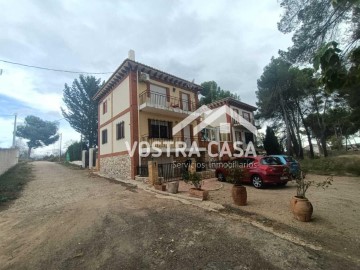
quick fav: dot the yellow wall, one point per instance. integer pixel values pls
(107, 147)
(119, 145)
(107, 116)
(117, 101)
(121, 98)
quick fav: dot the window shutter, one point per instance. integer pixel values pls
(123, 129)
(150, 130)
(181, 103)
(167, 94)
(170, 130)
(189, 101)
(148, 89)
(191, 133)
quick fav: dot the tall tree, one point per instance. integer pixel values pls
(212, 92)
(274, 101)
(271, 143)
(81, 110)
(39, 132)
(316, 22)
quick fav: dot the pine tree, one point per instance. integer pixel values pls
(271, 144)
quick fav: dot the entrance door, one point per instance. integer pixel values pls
(187, 136)
(185, 101)
(249, 137)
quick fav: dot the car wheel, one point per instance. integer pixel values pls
(221, 177)
(282, 184)
(256, 181)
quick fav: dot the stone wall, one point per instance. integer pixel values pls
(117, 166)
(8, 158)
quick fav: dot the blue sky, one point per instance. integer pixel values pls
(226, 41)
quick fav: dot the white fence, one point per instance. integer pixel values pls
(8, 158)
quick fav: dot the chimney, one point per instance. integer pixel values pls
(131, 55)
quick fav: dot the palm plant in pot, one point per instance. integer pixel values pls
(238, 191)
(300, 206)
(194, 179)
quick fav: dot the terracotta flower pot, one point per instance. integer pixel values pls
(303, 209)
(199, 193)
(292, 203)
(239, 195)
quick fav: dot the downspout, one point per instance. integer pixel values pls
(138, 110)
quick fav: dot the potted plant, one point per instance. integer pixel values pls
(238, 191)
(300, 206)
(195, 179)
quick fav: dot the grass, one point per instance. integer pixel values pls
(334, 165)
(13, 181)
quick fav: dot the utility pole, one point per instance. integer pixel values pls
(14, 132)
(60, 147)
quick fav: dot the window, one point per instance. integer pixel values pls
(104, 136)
(246, 116)
(105, 107)
(120, 130)
(270, 161)
(208, 135)
(160, 129)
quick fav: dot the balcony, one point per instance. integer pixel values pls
(159, 103)
(163, 142)
(238, 123)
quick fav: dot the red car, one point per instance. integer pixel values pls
(258, 170)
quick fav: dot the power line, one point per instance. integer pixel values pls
(53, 69)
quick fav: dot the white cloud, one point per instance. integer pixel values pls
(226, 41)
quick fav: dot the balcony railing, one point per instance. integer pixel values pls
(251, 120)
(162, 142)
(166, 101)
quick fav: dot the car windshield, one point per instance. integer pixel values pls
(270, 161)
(289, 159)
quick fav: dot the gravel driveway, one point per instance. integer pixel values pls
(68, 219)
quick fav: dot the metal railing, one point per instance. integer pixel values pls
(251, 120)
(162, 142)
(172, 171)
(166, 101)
(143, 171)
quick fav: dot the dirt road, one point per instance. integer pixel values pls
(66, 219)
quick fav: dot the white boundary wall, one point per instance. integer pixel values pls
(8, 158)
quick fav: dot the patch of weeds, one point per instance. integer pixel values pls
(70, 165)
(337, 165)
(13, 181)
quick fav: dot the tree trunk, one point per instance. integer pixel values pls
(307, 131)
(29, 152)
(299, 150)
(322, 126)
(288, 135)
